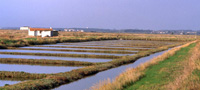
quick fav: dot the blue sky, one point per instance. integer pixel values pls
(113, 14)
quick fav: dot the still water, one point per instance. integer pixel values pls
(3, 82)
(36, 68)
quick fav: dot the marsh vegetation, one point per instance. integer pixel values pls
(94, 52)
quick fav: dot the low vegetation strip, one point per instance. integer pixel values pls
(66, 77)
(131, 76)
(44, 62)
(158, 37)
(95, 51)
(64, 55)
(133, 49)
(13, 79)
(21, 75)
(39, 41)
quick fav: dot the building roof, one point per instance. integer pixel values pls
(41, 29)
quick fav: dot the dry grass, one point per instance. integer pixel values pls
(189, 66)
(187, 80)
(13, 34)
(131, 75)
(21, 34)
(127, 77)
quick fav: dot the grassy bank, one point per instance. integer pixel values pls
(66, 77)
(64, 55)
(95, 51)
(39, 41)
(158, 76)
(44, 62)
(132, 76)
(21, 75)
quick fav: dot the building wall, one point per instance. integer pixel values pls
(46, 33)
(42, 33)
(39, 33)
(31, 33)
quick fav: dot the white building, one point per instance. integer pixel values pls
(24, 28)
(43, 32)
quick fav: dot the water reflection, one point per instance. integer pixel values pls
(36, 68)
(4, 82)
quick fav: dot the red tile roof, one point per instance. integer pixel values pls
(41, 29)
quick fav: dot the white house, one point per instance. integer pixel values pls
(43, 32)
(24, 28)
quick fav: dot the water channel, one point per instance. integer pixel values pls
(87, 82)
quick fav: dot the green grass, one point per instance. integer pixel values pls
(196, 72)
(8, 41)
(34, 39)
(158, 75)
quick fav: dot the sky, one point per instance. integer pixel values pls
(110, 14)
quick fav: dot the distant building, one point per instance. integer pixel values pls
(73, 30)
(81, 30)
(43, 32)
(66, 30)
(24, 28)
